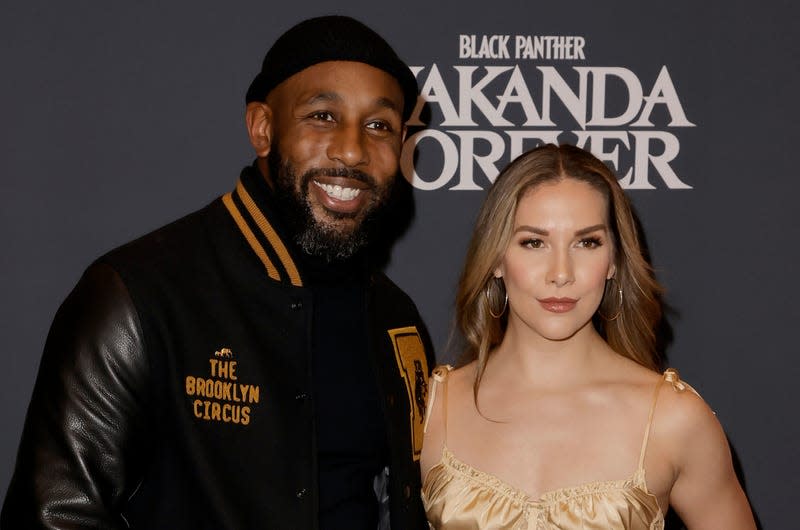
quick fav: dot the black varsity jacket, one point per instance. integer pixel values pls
(175, 387)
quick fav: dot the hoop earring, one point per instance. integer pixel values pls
(619, 311)
(489, 300)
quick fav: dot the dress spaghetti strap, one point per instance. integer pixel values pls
(649, 422)
(671, 376)
(439, 376)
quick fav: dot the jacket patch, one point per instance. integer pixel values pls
(221, 396)
(413, 366)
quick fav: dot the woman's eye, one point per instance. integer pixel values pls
(532, 243)
(590, 242)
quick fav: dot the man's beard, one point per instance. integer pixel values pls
(316, 237)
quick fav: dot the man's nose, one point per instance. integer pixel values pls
(348, 146)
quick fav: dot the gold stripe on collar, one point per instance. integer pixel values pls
(272, 236)
(251, 237)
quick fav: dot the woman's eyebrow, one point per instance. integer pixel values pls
(535, 230)
(543, 232)
(590, 229)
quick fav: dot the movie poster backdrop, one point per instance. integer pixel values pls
(118, 117)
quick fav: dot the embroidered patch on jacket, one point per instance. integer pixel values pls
(413, 365)
(221, 396)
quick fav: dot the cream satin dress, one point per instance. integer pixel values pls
(459, 497)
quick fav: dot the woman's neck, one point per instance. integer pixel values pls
(530, 358)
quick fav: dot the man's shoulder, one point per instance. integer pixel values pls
(177, 240)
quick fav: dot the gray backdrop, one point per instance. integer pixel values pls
(118, 117)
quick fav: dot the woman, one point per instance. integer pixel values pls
(560, 419)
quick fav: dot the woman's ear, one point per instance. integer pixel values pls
(258, 118)
(612, 270)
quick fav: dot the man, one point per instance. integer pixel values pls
(247, 366)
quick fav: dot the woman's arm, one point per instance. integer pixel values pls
(706, 493)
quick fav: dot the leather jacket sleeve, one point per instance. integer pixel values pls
(82, 447)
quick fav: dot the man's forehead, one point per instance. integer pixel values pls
(340, 82)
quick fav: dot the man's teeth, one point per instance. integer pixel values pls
(338, 192)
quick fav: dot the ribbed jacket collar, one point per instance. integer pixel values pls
(248, 205)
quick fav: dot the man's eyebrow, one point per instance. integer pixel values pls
(388, 103)
(324, 97)
(334, 97)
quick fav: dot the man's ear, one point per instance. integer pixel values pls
(258, 118)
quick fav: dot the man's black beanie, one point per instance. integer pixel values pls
(330, 38)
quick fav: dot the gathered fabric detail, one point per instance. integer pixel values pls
(459, 497)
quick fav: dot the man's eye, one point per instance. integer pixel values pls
(379, 126)
(322, 116)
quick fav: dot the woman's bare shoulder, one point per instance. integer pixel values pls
(683, 415)
(460, 378)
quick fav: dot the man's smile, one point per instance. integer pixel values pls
(340, 194)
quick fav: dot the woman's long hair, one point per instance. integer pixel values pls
(628, 327)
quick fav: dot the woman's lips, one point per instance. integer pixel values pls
(558, 305)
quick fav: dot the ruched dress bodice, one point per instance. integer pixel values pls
(459, 497)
